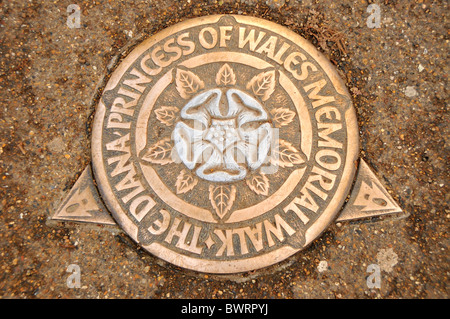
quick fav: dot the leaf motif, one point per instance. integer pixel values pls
(166, 114)
(263, 84)
(185, 182)
(287, 155)
(226, 76)
(259, 183)
(282, 116)
(187, 83)
(222, 198)
(159, 153)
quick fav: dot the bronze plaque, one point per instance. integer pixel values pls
(224, 144)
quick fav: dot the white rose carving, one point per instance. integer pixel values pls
(222, 135)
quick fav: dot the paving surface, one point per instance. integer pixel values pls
(50, 79)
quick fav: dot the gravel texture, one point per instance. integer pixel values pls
(51, 76)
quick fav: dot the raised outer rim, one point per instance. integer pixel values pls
(236, 266)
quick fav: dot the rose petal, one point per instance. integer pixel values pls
(255, 144)
(189, 144)
(250, 109)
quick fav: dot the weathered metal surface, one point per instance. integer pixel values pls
(224, 144)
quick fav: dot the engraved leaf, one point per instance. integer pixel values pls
(226, 76)
(187, 83)
(159, 153)
(222, 199)
(259, 183)
(185, 182)
(166, 114)
(282, 116)
(287, 155)
(263, 84)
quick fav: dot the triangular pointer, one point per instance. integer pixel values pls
(368, 198)
(83, 203)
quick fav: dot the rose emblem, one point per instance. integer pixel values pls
(224, 135)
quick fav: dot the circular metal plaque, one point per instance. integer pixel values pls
(224, 144)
